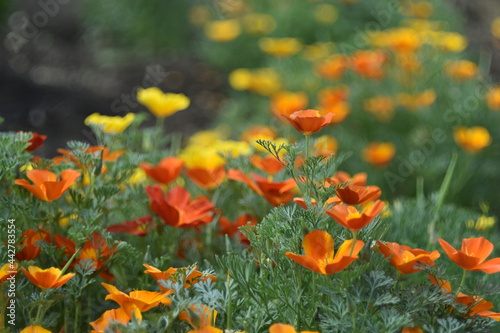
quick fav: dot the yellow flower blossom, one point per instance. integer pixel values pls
(137, 177)
(482, 223)
(263, 81)
(280, 47)
(232, 148)
(415, 101)
(473, 139)
(208, 137)
(222, 31)
(317, 51)
(112, 125)
(493, 99)
(162, 104)
(451, 42)
(201, 157)
(259, 24)
(461, 69)
(420, 9)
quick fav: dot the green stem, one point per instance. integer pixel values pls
(461, 283)
(40, 307)
(228, 310)
(307, 156)
(354, 239)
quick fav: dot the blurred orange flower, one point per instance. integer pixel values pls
(351, 218)
(36, 141)
(34, 329)
(286, 102)
(30, 243)
(308, 121)
(342, 177)
(207, 178)
(325, 145)
(177, 209)
(493, 99)
(412, 330)
(7, 271)
(382, 107)
(473, 139)
(226, 227)
(276, 193)
(285, 328)
(461, 69)
(46, 185)
(268, 164)
(119, 315)
(49, 278)
(357, 194)
(138, 227)
(332, 68)
(368, 63)
(404, 258)
(164, 172)
(416, 101)
(379, 154)
(473, 254)
(319, 253)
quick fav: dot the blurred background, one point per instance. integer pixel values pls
(62, 60)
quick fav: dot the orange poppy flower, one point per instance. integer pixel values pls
(230, 229)
(119, 315)
(351, 218)
(138, 227)
(49, 278)
(97, 249)
(7, 271)
(473, 254)
(31, 247)
(333, 95)
(173, 274)
(461, 69)
(268, 164)
(36, 141)
(199, 315)
(412, 330)
(34, 329)
(144, 300)
(330, 201)
(356, 194)
(404, 258)
(285, 328)
(68, 246)
(288, 102)
(276, 193)
(379, 154)
(207, 329)
(207, 179)
(164, 172)
(381, 107)
(325, 145)
(308, 121)
(342, 177)
(367, 63)
(473, 139)
(45, 184)
(493, 98)
(177, 209)
(319, 253)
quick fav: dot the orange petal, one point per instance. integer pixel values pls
(318, 245)
(490, 266)
(307, 262)
(38, 177)
(281, 328)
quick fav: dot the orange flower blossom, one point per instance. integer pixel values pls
(473, 254)
(46, 185)
(164, 172)
(308, 121)
(351, 218)
(49, 278)
(404, 258)
(357, 194)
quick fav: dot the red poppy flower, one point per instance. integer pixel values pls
(308, 121)
(138, 227)
(351, 218)
(164, 172)
(177, 209)
(207, 179)
(45, 184)
(319, 253)
(36, 141)
(276, 193)
(31, 247)
(356, 194)
(404, 258)
(228, 228)
(473, 254)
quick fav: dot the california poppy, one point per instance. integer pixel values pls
(119, 315)
(473, 139)
(341, 177)
(162, 104)
(319, 253)
(379, 154)
(177, 209)
(143, 299)
(110, 124)
(285, 328)
(276, 193)
(31, 240)
(288, 102)
(230, 229)
(49, 278)
(351, 218)
(404, 258)
(46, 185)
(268, 164)
(357, 194)
(34, 329)
(207, 178)
(8, 270)
(199, 315)
(368, 63)
(473, 254)
(173, 274)
(138, 227)
(164, 172)
(97, 249)
(36, 141)
(308, 121)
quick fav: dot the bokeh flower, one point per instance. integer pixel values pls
(222, 31)
(379, 154)
(166, 171)
(280, 47)
(286, 102)
(46, 185)
(473, 139)
(162, 104)
(112, 125)
(461, 69)
(36, 141)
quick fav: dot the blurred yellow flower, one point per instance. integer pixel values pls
(325, 145)
(451, 42)
(232, 7)
(402, 39)
(201, 157)
(416, 101)
(473, 139)
(232, 148)
(379, 154)
(199, 15)
(280, 47)
(263, 81)
(206, 138)
(259, 24)
(495, 28)
(382, 107)
(493, 98)
(482, 223)
(461, 69)
(317, 51)
(112, 125)
(287, 102)
(420, 9)
(162, 104)
(326, 14)
(137, 177)
(222, 31)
